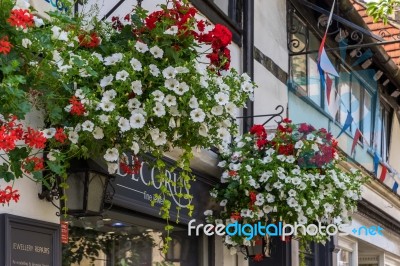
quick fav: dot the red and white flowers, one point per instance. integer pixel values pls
(291, 175)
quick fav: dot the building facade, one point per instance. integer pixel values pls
(276, 42)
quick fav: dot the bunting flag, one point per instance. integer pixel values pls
(395, 187)
(376, 163)
(383, 174)
(357, 136)
(325, 66)
(347, 123)
(329, 83)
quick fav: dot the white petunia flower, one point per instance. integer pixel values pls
(193, 102)
(103, 118)
(122, 75)
(182, 70)
(123, 124)
(154, 70)
(169, 72)
(59, 34)
(98, 133)
(171, 84)
(223, 202)
(137, 87)
(247, 87)
(310, 136)
(49, 132)
(158, 95)
(38, 21)
(172, 30)
(299, 144)
(112, 168)
(136, 65)
(87, 126)
(217, 110)
(315, 147)
(73, 137)
(221, 98)
(111, 155)
(223, 134)
(108, 95)
(135, 147)
(26, 43)
(159, 138)
(172, 123)
(182, 88)
(208, 213)
(107, 80)
(203, 130)
(141, 47)
(98, 56)
(133, 104)
(137, 120)
(107, 106)
(159, 109)
(197, 115)
(170, 100)
(52, 155)
(157, 52)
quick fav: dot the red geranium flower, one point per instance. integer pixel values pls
(60, 135)
(34, 138)
(258, 257)
(89, 41)
(21, 18)
(77, 107)
(259, 131)
(8, 194)
(5, 45)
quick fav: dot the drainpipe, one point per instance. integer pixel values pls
(248, 57)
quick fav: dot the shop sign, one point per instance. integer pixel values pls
(137, 191)
(64, 232)
(28, 242)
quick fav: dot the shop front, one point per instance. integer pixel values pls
(131, 232)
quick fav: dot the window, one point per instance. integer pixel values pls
(344, 258)
(382, 130)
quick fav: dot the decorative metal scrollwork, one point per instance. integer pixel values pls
(384, 33)
(297, 34)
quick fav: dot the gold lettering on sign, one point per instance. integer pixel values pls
(31, 248)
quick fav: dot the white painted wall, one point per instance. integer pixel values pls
(30, 205)
(270, 30)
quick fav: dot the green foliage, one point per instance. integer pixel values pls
(382, 9)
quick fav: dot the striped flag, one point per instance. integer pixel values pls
(383, 174)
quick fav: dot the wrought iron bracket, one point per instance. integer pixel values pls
(280, 110)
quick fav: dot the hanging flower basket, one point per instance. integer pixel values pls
(291, 176)
(147, 83)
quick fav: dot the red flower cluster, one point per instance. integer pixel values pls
(60, 135)
(131, 169)
(77, 107)
(286, 149)
(8, 194)
(116, 23)
(21, 18)
(306, 128)
(33, 164)
(258, 257)
(261, 135)
(5, 45)
(89, 41)
(10, 133)
(236, 216)
(34, 138)
(220, 37)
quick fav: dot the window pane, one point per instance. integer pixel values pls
(314, 83)
(299, 72)
(378, 132)
(367, 117)
(344, 90)
(355, 102)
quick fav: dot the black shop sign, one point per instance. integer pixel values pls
(28, 242)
